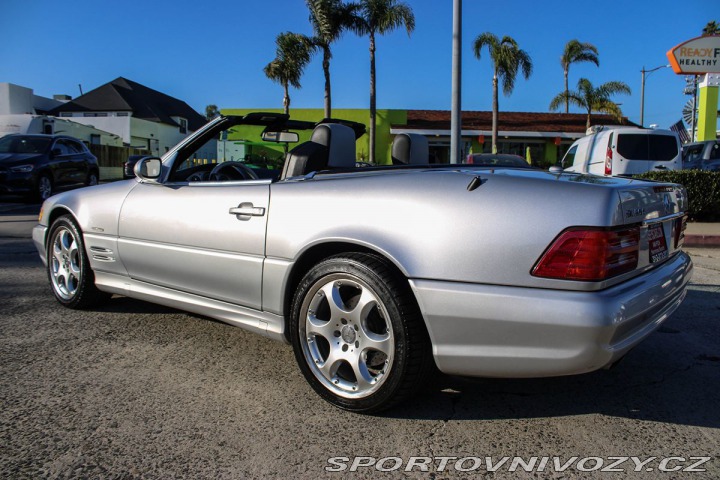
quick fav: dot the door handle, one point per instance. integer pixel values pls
(246, 209)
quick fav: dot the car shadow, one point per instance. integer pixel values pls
(672, 377)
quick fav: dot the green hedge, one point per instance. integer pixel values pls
(703, 190)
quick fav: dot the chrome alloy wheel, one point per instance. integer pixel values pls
(65, 269)
(346, 336)
(44, 187)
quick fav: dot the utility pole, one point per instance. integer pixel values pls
(642, 91)
(455, 116)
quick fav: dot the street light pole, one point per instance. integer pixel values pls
(455, 115)
(642, 91)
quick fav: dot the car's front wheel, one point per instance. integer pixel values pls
(358, 336)
(44, 189)
(68, 268)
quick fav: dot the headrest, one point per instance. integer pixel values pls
(410, 149)
(340, 141)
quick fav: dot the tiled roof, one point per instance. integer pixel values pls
(508, 121)
(123, 95)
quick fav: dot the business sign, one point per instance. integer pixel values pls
(697, 56)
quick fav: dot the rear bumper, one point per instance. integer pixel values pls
(500, 331)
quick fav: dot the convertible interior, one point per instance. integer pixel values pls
(331, 147)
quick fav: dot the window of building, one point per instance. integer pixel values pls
(183, 126)
(66, 114)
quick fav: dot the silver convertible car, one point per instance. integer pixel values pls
(378, 276)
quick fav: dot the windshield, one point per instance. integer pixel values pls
(498, 160)
(24, 144)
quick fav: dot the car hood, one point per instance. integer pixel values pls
(8, 159)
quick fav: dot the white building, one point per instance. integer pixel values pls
(21, 111)
(142, 117)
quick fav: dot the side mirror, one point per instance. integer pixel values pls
(148, 168)
(56, 152)
(280, 137)
(556, 169)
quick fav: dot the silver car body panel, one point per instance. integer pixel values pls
(499, 331)
(467, 254)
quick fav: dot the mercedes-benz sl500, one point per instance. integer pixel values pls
(379, 275)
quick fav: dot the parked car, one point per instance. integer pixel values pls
(37, 165)
(624, 151)
(129, 165)
(702, 156)
(379, 275)
(497, 160)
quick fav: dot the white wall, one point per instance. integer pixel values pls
(35, 124)
(15, 99)
(158, 138)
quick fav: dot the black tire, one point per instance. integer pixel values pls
(385, 338)
(44, 188)
(71, 279)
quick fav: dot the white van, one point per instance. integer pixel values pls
(624, 151)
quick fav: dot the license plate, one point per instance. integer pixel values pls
(657, 243)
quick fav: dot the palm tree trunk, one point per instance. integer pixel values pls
(372, 97)
(495, 114)
(567, 101)
(286, 99)
(326, 71)
(587, 124)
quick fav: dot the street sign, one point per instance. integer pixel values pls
(697, 56)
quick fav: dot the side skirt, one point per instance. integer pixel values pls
(266, 324)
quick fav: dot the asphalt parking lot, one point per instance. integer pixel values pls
(134, 390)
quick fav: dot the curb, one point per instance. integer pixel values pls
(702, 241)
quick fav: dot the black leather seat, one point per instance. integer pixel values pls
(331, 146)
(410, 149)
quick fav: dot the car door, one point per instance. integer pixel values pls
(203, 238)
(79, 169)
(61, 162)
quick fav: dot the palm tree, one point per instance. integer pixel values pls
(576, 51)
(508, 59)
(329, 18)
(381, 17)
(211, 111)
(593, 99)
(292, 54)
(712, 28)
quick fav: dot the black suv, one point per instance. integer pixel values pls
(37, 165)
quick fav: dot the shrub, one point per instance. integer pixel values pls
(703, 190)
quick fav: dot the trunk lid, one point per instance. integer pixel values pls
(659, 209)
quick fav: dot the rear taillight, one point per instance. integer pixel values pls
(590, 254)
(679, 226)
(609, 156)
(608, 161)
(469, 159)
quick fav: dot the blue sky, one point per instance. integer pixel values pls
(214, 51)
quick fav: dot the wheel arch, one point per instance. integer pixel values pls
(54, 214)
(319, 252)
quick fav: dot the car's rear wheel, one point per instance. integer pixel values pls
(72, 279)
(358, 336)
(44, 189)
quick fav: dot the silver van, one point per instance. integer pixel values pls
(624, 151)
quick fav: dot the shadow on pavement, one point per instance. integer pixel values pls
(672, 377)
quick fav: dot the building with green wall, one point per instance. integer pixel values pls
(545, 137)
